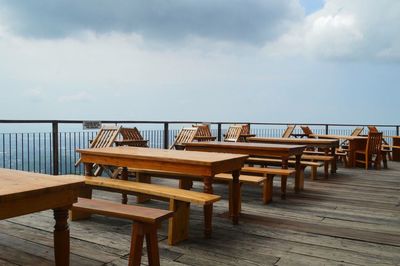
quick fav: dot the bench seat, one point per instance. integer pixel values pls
(272, 161)
(145, 223)
(179, 202)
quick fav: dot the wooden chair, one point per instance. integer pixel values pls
(233, 134)
(184, 136)
(307, 131)
(104, 138)
(131, 137)
(372, 152)
(387, 151)
(288, 132)
(203, 133)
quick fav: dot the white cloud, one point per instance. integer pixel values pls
(349, 30)
(81, 96)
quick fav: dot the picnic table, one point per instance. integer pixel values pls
(177, 161)
(327, 145)
(24, 192)
(255, 149)
(355, 143)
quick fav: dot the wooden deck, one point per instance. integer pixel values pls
(352, 218)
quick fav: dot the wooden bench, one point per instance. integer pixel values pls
(179, 202)
(326, 159)
(145, 224)
(271, 161)
(269, 174)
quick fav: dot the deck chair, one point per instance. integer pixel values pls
(104, 138)
(288, 132)
(387, 151)
(203, 133)
(372, 152)
(184, 136)
(307, 131)
(131, 137)
(342, 151)
(233, 133)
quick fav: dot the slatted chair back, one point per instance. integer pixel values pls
(357, 131)
(372, 129)
(185, 135)
(245, 128)
(233, 133)
(203, 132)
(306, 130)
(133, 134)
(374, 143)
(288, 132)
(105, 137)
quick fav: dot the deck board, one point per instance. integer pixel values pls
(351, 218)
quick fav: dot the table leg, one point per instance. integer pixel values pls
(334, 165)
(124, 176)
(297, 179)
(208, 209)
(235, 196)
(61, 236)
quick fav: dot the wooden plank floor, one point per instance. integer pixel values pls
(352, 218)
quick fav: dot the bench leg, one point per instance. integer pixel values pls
(235, 197)
(142, 178)
(231, 199)
(268, 189)
(314, 172)
(208, 210)
(326, 169)
(178, 225)
(85, 192)
(152, 246)
(283, 186)
(135, 255)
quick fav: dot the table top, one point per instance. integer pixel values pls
(301, 141)
(264, 149)
(19, 184)
(322, 136)
(150, 154)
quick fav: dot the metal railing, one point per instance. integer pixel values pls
(55, 152)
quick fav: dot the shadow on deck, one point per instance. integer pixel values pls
(351, 218)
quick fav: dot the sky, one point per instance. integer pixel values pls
(315, 61)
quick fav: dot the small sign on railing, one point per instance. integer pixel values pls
(91, 125)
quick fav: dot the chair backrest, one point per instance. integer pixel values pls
(134, 135)
(233, 133)
(357, 131)
(288, 132)
(105, 137)
(374, 143)
(306, 130)
(203, 130)
(185, 135)
(245, 128)
(372, 129)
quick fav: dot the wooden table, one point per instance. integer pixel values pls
(205, 165)
(355, 143)
(23, 193)
(395, 149)
(255, 149)
(327, 145)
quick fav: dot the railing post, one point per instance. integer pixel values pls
(166, 135)
(397, 130)
(326, 129)
(55, 147)
(219, 137)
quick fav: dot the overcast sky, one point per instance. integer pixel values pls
(254, 60)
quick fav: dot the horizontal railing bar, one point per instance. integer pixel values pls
(21, 121)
